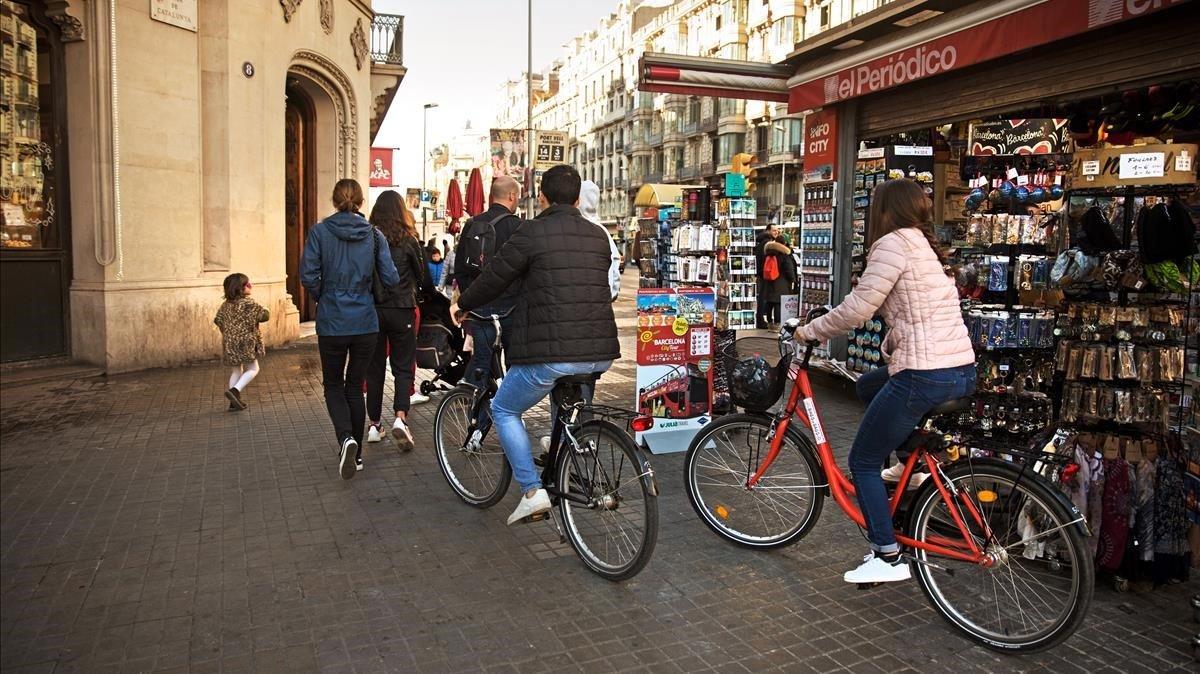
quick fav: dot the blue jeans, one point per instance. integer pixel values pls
(479, 369)
(895, 406)
(523, 387)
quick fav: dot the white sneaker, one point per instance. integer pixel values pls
(545, 443)
(373, 434)
(346, 461)
(537, 504)
(875, 570)
(893, 474)
(418, 399)
(402, 436)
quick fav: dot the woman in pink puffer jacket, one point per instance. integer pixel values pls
(930, 356)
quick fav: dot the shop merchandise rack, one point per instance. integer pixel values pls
(817, 243)
(737, 271)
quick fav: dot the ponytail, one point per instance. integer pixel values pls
(347, 196)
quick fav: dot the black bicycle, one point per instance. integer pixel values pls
(596, 475)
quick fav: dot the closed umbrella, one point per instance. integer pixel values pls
(475, 202)
(454, 205)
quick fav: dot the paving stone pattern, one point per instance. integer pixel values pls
(146, 528)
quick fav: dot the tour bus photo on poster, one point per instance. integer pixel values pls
(675, 364)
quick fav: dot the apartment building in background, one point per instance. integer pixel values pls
(622, 138)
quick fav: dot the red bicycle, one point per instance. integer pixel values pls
(999, 551)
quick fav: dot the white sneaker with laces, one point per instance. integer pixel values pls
(402, 435)
(346, 460)
(536, 502)
(418, 399)
(373, 434)
(893, 474)
(875, 570)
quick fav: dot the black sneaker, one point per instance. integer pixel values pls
(235, 399)
(346, 460)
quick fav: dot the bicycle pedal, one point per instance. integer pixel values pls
(868, 586)
(536, 517)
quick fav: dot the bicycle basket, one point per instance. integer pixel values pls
(757, 372)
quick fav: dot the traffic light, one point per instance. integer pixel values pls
(742, 164)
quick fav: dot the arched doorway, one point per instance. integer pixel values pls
(300, 188)
(320, 147)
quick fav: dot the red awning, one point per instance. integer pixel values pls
(697, 76)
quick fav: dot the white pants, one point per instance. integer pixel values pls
(241, 375)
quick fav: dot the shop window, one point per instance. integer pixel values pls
(29, 134)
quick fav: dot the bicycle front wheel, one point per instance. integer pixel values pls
(473, 464)
(779, 509)
(1038, 587)
(608, 508)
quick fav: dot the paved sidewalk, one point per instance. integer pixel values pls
(146, 528)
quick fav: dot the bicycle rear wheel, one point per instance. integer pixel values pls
(614, 534)
(779, 509)
(1039, 586)
(475, 468)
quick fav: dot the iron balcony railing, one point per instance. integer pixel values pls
(387, 39)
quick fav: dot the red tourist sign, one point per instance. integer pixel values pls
(1031, 27)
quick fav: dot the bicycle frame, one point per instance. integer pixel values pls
(966, 549)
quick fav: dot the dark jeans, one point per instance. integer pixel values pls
(344, 361)
(895, 406)
(397, 343)
(479, 369)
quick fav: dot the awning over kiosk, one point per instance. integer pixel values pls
(658, 194)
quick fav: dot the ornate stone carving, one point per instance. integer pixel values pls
(289, 8)
(70, 28)
(327, 75)
(358, 42)
(327, 16)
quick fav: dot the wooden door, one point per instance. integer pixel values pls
(300, 211)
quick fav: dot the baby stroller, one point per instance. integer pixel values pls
(439, 344)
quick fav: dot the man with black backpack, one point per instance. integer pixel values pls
(482, 236)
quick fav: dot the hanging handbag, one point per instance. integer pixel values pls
(378, 290)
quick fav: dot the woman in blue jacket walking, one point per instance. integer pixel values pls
(341, 255)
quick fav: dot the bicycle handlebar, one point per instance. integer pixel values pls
(788, 329)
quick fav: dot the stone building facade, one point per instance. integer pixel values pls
(176, 141)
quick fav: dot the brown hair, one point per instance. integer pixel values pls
(391, 215)
(235, 286)
(347, 195)
(898, 204)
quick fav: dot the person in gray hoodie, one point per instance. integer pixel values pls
(589, 208)
(341, 256)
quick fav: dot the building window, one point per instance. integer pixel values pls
(728, 107)
(729, 144)
(31, 177)
(718, 22)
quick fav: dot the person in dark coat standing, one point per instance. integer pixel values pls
(774, 290)
(341, 255)
(397, 340)
(562, 322)
(762, 308)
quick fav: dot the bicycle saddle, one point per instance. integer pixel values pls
(950, 407)
(588, 379)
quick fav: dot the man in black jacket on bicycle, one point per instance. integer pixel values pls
(562, 323)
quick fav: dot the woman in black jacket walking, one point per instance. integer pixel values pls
(397, 319)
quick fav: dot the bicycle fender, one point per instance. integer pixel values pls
(647, 472)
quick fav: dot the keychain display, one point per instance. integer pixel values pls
(1089, 402)
(864, 351)
(991, 328)
(984, 229)
(1081, 360)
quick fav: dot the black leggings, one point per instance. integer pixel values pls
(397, 342)
(344, 361)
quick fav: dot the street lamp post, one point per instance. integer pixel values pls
(424, 161)
(530, 150)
